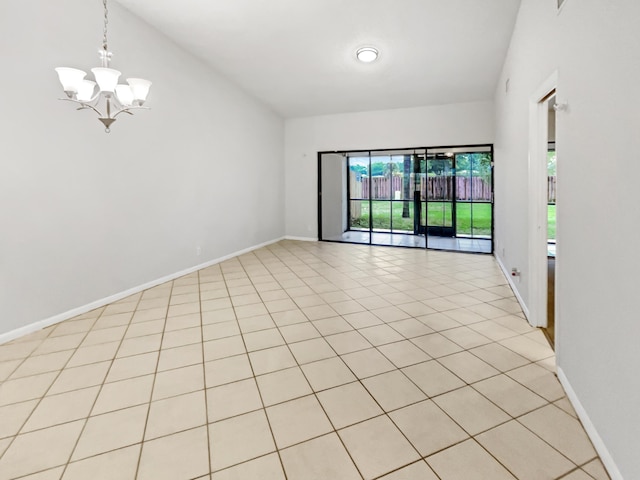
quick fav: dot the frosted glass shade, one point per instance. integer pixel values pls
(367, 54)
(140, 88)
(85, 90)
(70, 78)
(107, 78)
(124, 94)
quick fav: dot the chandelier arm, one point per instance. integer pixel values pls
(127, 110)
(84, 105)
(88, 107)
(122, 111)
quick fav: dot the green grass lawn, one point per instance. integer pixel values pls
(481, 219)
(439, 214)
(551, 222)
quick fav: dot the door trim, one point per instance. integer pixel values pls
(538, 138)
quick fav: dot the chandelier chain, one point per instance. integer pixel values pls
(106, 22)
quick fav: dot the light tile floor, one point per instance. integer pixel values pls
(301, 361)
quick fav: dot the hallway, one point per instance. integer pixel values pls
(300, 360)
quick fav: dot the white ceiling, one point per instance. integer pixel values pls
(298, 56)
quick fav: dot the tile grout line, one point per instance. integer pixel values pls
(384, 412)
(95, 401)
(204, 379)
(153, 384)
(317, 400)
(359, 381)
(255, 381)
(49, 387)
(21, 361)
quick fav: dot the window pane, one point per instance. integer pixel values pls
(381, 215)
(480, 174)
(551, 223)
(381, 177)
(481, 219)
(403, 182)
(439, 214)
(359, 177)
(403, 216)
(359, 215)
(464, 187)
(551, 192)
(463, 218)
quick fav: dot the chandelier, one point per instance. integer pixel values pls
(111, 99)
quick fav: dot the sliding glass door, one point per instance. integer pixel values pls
(435, 197)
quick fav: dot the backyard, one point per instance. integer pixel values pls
(439, 214)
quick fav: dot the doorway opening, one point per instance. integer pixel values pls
(440, 198)
(549, 329)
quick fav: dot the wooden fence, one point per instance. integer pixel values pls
(432, 188)
(437, 188)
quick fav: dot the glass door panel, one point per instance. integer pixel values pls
(420, 193)
(464, 195)
(359, 202)
(481, 220)
(402, 207)
(402, 216)
(440, 195)
(381, 215)
(481, 194)
(474, 195)
(360, 215)
(463, 219)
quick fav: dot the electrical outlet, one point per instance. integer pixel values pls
(515, 274)
(198, 250)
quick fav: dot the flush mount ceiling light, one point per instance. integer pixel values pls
(115, 98)
(367, 54)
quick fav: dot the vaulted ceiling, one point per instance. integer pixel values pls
(298, 56)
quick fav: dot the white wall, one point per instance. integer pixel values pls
(469, 123)
(85, 214)
(595, 48)
(531, 59)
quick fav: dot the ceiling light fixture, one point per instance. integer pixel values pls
(367, 54)
(116, 98)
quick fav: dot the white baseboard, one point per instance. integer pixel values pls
(40, 324)
(507, 275)
(301, 239)
(597, 441)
